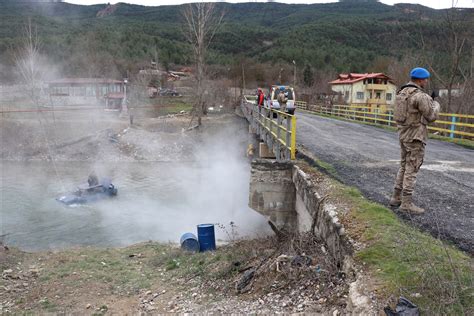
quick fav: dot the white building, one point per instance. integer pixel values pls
(370, 89)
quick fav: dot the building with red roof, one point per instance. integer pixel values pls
(376, 90)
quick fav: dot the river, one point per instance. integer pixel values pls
(156, 201)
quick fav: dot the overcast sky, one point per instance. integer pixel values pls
(438, 4)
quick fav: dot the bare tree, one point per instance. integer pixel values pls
(27, 60)
(453, 41)
(202, 20)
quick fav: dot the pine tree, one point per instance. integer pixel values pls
(308, 76)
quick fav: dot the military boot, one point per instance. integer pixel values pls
(408, 206)
(396, 199)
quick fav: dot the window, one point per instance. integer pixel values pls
(388, 96)
(360, 95)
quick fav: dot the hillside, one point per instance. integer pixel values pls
(336, 36)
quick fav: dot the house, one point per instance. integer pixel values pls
(370, 89)
(455, 91)
(88, 91)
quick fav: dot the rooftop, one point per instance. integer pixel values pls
(85, 81)
(355, 77)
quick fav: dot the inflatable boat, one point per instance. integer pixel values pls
(89, 193)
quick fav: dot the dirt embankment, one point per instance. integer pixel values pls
(263, 275)
(168, 138)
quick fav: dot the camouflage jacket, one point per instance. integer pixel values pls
(422, 110)
(281, 98)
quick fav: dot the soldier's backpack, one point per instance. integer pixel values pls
(400, 113)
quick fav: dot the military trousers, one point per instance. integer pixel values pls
(412, 155)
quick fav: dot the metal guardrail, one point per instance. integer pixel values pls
(450, 124)
(276, 128)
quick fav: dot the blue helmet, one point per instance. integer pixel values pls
(282, 88)
(419, 73)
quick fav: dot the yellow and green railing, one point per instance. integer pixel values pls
(276, 128)
(449, 124)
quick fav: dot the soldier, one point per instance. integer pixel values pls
(282, 99)
(414, 109)
(92, 180)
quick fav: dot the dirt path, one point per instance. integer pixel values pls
(368, 157)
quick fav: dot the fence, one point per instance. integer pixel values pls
(276, 128)
(449, 124)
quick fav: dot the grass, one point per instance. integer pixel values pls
(434, 275)
(113, 267)
(459, 141)
(47, 305)
(326, 167)
(120, 272)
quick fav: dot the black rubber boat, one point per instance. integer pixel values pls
(90, 193)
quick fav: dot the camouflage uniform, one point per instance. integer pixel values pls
(413, 134)
(282, 100)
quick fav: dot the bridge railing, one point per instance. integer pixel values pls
(449, 124)
(276, 128)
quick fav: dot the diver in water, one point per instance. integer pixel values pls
(93, 180)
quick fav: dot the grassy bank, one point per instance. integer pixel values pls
(406, 262)
(152, 277)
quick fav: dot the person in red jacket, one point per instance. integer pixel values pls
(260, 98)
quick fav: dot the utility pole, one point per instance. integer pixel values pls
(294, 73)
(243, 79)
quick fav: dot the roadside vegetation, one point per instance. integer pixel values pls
(403, 260)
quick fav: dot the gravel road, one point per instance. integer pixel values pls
(368, 157)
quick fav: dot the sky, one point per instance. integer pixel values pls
(437, 4)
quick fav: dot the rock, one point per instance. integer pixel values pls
(88, 306)
(335, 313)
(148, 292)
(243, 285)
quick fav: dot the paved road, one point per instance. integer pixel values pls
(367, 157)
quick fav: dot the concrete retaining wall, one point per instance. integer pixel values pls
(283, 193)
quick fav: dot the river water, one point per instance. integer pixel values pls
(156, 201)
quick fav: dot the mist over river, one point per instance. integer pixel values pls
(155, 201)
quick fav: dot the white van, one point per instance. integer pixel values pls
(272, 99)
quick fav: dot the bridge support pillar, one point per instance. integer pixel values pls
(265, 152)
(273, 193)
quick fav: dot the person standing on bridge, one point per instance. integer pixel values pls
(414, 109)
(282, 99)
(260, 98)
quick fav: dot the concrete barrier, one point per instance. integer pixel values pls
(282, 192)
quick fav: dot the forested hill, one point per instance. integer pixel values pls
(98, 40)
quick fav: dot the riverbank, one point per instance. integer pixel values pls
(245, 276)
(105, 136)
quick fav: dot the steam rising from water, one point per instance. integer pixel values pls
(156, 201)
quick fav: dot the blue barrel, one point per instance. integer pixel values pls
(207, 239)
(189, 242)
